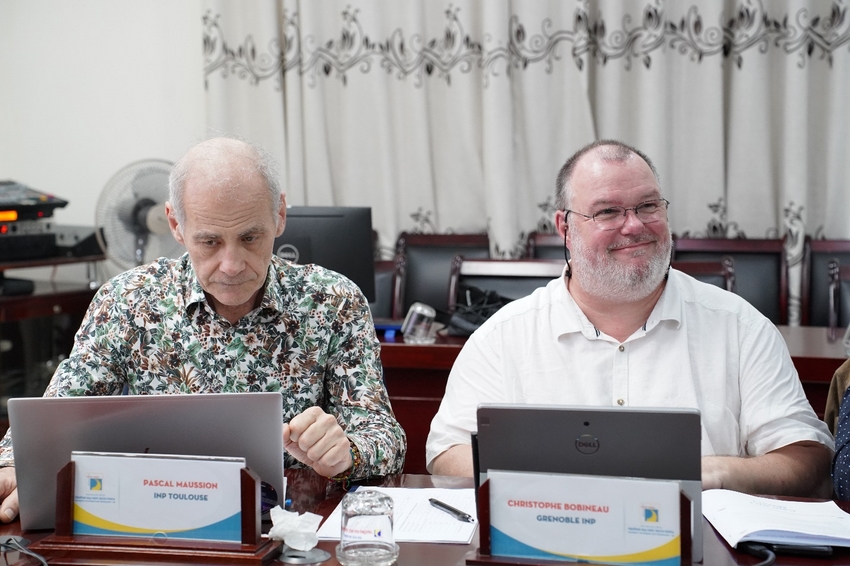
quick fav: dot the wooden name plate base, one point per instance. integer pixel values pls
(482, 556)
(63, 547)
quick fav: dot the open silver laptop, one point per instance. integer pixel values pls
(656, 443)
(46, 429)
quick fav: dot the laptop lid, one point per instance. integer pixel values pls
(656, 443)
(46, 429)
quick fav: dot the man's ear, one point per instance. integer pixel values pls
(562, 226)
(281, 216)
(176, 229)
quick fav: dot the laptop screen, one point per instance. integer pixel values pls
(45, 430)
(637, 442)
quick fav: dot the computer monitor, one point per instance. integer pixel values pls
(335, 237)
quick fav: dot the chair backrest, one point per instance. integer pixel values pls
(542, 245)
(761, 269)
(423, 264)
(814, 295)
(510, 278)
(719, 273)
(839, 296)
(382, 306)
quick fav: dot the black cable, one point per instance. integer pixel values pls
(758, 550)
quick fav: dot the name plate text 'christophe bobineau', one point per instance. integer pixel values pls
(584, 518)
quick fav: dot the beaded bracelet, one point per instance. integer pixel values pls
(355, 463)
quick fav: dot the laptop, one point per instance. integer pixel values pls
(656, 443)
(46, 429)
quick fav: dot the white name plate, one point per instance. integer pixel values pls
(147, 495)
(584, 518)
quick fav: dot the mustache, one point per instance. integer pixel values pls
(639, 239)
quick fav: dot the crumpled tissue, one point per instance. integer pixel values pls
(296, 531)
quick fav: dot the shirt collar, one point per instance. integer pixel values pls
(191, 292)
(570, 318)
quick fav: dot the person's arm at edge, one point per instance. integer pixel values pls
(800, 469)
(456, 461)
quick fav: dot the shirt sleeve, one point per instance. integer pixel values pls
(357, 395)
(841, 462)
(774, 409)
(476, 377)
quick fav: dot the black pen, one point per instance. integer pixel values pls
(456, 513)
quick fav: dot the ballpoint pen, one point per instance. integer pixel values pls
(456, 513)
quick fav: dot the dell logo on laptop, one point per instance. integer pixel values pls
(288, 252)
(587, 444)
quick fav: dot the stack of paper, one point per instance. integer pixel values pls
(415, 520)
(739, 518)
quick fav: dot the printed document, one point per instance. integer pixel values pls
(739, 517)
(415, 519)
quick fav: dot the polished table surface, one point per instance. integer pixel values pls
(311, 492)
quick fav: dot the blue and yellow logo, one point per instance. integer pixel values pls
(95, 484)
(650, 514)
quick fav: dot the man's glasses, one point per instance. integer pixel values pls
(613, 217)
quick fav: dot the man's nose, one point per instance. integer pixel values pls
(632, 223)
(232, 261)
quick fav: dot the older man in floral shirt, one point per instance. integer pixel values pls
(229, 316)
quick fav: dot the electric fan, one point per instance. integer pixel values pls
(130, 221)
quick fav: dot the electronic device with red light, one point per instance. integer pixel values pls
(26, 234)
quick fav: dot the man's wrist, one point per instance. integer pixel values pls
(355, 464)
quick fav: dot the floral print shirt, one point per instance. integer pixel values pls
(152, 331)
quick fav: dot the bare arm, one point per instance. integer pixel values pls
(800, 469)
(456, 461)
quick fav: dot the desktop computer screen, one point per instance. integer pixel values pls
(335, 237)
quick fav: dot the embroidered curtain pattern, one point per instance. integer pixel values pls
(456, 117)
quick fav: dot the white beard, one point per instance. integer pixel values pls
(604, 277)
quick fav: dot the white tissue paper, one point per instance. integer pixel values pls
(296, 531)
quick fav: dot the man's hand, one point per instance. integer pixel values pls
(316, 439)
(9, 494)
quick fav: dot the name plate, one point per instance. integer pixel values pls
(147, 495)
(584, 518)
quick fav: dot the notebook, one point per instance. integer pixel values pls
(656, 443)
(46, 429)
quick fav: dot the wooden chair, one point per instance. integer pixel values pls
(719, 273)
(761, 269)
(510, 278)
(423, 264)
(815, 295)
(540, 245)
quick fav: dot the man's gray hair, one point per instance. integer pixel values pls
(260, 162)
(613, 151)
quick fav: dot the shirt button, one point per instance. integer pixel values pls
(620, 402)
(622, 348)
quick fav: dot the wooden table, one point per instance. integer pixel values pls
(416, 375)
(311, 492)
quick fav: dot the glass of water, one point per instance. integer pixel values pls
(366, 536)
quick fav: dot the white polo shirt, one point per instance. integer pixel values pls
(702, 347)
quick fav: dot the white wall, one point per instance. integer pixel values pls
(88, 86)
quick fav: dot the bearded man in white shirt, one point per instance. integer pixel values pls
(621, 328)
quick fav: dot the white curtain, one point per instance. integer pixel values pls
(456, 117)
